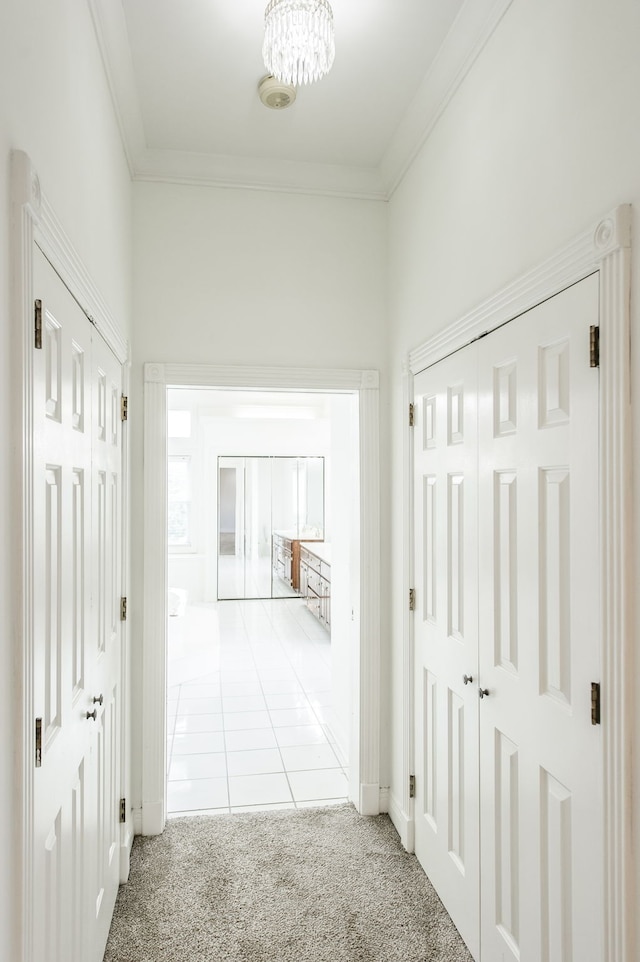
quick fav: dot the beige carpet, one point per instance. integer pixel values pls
(316, 885)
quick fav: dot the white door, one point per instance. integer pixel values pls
(106, 635)
(540, 756)
(73, 661)
(446, 635)
(537, 757)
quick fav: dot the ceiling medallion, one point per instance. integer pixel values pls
(298, 43)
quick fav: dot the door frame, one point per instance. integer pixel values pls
(35, 224)
(364, 768)
(604, 249)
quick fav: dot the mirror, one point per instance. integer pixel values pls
(263, 501)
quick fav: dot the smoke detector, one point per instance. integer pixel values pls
(275, 94)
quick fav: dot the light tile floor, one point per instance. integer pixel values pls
(249, 708)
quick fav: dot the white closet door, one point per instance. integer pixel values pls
(105, 637)
(446, 635)
(61, 620)
(76, 629)
(540, 764)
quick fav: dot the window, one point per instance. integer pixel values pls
(179, 501)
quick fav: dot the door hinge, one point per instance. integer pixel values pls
(595, 702)
(412, 415)
(38, 743)
(412, 599)
(594, 346)
(37, 322)
(412, 786)
(124, 407)
(123, 609)
(123, 809)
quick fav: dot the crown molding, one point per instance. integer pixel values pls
(113, 40)
(466, 39)
(472, 28)
(258, 173)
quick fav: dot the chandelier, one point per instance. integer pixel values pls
(298, 40)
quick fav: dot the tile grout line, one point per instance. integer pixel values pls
(276, 739)
(284, 646)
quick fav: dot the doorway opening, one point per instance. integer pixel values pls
(262, 564)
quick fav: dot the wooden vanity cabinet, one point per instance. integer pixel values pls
(315, 581)
(282, 558)
(285, 559)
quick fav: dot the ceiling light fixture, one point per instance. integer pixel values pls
(298, 40)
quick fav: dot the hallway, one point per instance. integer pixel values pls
(249, 709)
(321, 885)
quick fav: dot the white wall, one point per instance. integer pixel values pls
(54, 104)
(252, 277)
(540, 141)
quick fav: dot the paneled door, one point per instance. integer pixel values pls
(446, 635)
(105, 638)
(76, 477)
(540, 755)
(536, 756)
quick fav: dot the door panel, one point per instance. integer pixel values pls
(446, 637)
(523, 501)
(107, 427)
(62, 528)
(75, 627)
(540, 757)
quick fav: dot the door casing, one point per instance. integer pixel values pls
(364, 767)
(605, 249)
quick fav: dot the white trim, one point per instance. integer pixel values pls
(34, 223)
(369, 800)
(404, 824)
(259, 173)
(137, 821)
(154, 643)
(126, 844)
(57, 248)
(467, 37)
(605, 248)
(583, 256)
(365, 767)
(126, 828)
(25, 212)
(110, 27)
(407, 805)
(383, 800)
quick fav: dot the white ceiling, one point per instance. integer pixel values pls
(184, 78)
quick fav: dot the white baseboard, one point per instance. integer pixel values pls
(125, 852)
(369, 799)
(384, 799)
(405, 824)
(153, 819)
(137, 821)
